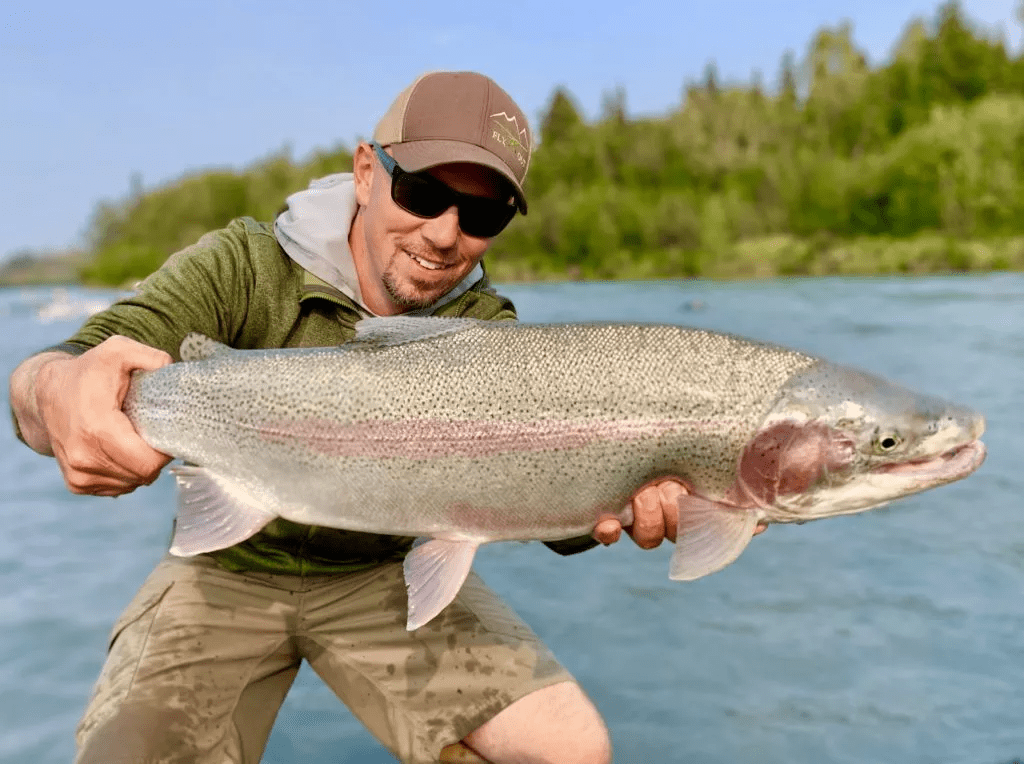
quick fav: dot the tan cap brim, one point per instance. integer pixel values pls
(413, 156)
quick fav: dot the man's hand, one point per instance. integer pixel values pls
(70, 407)
(655, 515)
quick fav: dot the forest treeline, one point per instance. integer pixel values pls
(915, 164)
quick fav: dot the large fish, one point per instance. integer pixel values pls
(465, 432)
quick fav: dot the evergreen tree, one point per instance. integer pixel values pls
(561, 118)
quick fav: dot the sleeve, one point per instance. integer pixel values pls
(203, 288)
(575, 545)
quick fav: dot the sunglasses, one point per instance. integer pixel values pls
(426, 197)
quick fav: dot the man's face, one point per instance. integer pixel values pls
(407, 262)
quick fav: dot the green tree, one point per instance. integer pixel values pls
(904, 162)
(561, 118)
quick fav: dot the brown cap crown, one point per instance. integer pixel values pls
(446, 117)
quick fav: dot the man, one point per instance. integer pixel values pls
(202, 658)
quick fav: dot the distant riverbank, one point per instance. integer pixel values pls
(781, 255)
(766, 257)
(47, 269)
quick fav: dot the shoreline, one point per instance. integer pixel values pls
(768, 257)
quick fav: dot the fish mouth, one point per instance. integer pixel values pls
(954, 464)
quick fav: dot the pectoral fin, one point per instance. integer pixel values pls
(710, 536)
(213, 513)
(434, 572)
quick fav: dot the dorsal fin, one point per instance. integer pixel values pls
(398, 330)
(199, 347)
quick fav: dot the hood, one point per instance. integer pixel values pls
(313, 231)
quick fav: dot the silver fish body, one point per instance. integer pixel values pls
(467, 432)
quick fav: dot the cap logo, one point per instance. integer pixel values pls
(508, 133)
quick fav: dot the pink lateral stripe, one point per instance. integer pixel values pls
(433, 439)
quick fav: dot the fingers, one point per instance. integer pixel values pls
(655, 517)
(147, 358)
(655, 510)
(110, 461)
(656, 513)
(122, 445)
(80, 400)
(608, 530)
(130, 354)
(669, 493)
(648, 529)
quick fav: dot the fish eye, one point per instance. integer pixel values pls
(887, 442)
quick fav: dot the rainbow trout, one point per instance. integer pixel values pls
(464, 432)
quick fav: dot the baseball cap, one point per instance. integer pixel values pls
(447, 117)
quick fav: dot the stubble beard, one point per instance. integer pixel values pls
(407, 292)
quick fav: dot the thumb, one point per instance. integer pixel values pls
(134, 355)
(607, 531)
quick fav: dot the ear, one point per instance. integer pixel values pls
(362, 169)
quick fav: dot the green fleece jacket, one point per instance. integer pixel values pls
(238, 286)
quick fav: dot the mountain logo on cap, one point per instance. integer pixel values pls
(508, 133)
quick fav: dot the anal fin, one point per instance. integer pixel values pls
(709, 537)
(434, 572)
(213, 512)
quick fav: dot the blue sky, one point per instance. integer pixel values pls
(94, 93)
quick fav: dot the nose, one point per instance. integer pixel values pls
(442, 231)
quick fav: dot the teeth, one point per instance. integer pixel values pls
(426, 263)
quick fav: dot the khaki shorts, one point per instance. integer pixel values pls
(201, 660)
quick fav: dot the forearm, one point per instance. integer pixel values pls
(28, 423)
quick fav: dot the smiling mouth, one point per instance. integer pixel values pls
(428, 264)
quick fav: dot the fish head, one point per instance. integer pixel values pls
(839, 441)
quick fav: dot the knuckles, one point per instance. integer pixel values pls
(654, 513)
(78, 460)
(86, 483)
(80, 482)
(644, 542)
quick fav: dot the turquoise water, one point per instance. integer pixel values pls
(892, 636)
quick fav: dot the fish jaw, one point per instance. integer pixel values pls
(881, 486)
(919, 475)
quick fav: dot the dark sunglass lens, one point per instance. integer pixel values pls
(428, 197)
(484, 217)
(421, 196)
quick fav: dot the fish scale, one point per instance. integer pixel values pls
(469, 431)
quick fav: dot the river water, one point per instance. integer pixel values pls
(892, 636)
